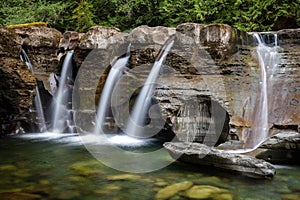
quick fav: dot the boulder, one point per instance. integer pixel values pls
(100, 37)
(200, 154)
(282, 148)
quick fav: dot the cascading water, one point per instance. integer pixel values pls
(268, 63)
(62, 115)
(114, 75)
(141, 107)
(37, 98)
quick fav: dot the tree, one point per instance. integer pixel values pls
(83, 16)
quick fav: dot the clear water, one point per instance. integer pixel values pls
(57, 166)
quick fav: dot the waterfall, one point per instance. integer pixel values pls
(37, 98)
(114, 75)
(268, 63)
(141, 107)
(62, 115)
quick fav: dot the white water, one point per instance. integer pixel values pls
(91, 139)
(40, 111)
(105, 101)
(37, 98)
(141, 107)
(268, 64)
(62, 115)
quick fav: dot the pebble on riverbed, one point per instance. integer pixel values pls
(208, 192)
(123, 177)
(173, 189)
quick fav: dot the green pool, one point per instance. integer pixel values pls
(62, 168)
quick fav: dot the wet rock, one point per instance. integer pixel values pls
(173, 189)
(109, 189)
(161, 183)
(19, 196)
(78, 179)
(8, 167)
(88, 168)
(208, 192)
(21, 173)
(200, 154)
(17, 87)
(283, 140)
(41, 44)
(282, 148)
(123, 177)
(213, 181)
(289, 36)
(44, 182)
(69, 194)
(290, 197)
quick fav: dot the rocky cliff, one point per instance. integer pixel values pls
(208, 65)
(18, 83)
(17, 86)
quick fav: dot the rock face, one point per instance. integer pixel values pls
(17, 87)
(200, 154)
(208, 65)
(41, 44)
(209, 82)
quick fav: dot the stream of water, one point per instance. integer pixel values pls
(37, 99)
(57, 166)
(62, 117)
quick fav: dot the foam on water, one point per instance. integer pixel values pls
(75, 139)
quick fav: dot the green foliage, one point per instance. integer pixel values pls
(83, 16)
(132, 13)
(22, 11)
(249, 15)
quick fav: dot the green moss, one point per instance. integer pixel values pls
(38, 24)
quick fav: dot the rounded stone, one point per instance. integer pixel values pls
(208, 192)
(173, 189)
(123, 177)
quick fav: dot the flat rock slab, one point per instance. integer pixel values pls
(284, 140)
(200, 154)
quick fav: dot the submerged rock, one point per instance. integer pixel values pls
(109, 189)
(290, 197)
(200, 154)
(87, 168)
(8, 167)
(208, 192)
(19, 196)
(173, 189)
(123, 177)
